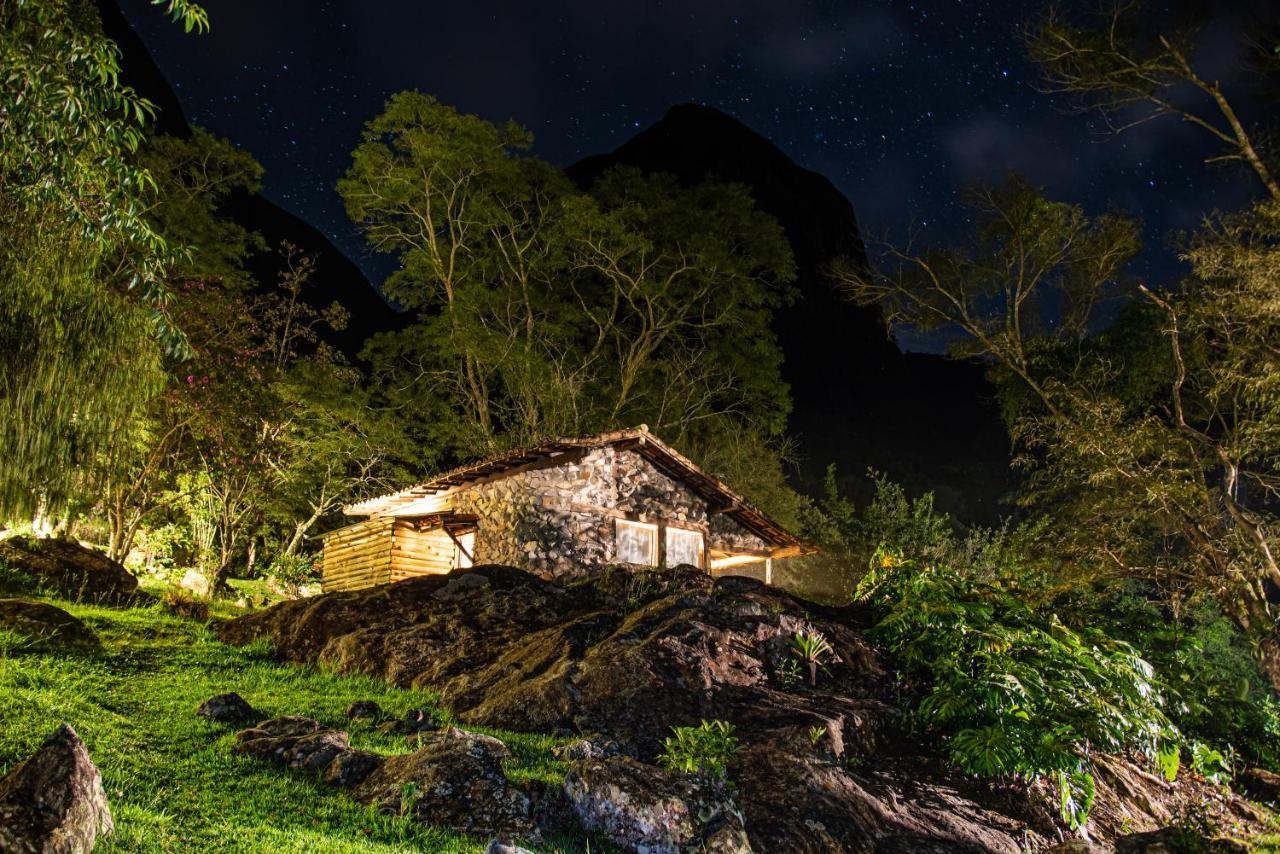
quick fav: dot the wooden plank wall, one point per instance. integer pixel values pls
(415, 552)
(357, 556)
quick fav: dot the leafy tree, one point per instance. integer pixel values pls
(543, 310)
(76, 334)
(1162, 468)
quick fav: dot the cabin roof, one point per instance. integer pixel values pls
(718, 494)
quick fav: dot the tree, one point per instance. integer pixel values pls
(77, 338)
(1153, 445)
(1116, 65)
(544, 310)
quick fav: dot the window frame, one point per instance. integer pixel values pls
(650, 527)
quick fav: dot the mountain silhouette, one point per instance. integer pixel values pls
(929, 422)
(336, 278)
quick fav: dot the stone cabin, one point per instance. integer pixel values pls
(558, 509)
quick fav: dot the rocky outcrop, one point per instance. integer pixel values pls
(53, 803)
(454, 779)
(65, 569)
(1260, 784)
(645, 809)
(619, 658)
(627, 654)
(42, 621)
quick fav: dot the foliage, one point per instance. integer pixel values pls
(1114, 64)
(1210, 763)
(174, 779)
(704, 749)
(813, 649)
(1159, 468)
(81, 268)
(1008, 690)
(541, 310)
(292, 571)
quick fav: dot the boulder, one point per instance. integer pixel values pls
(503, 846)
(588, 748)
(645, 809)
(295, 742)
(227, 708)
(351, 768)
(1259, 784)
(455, 780)
(53, 803)
(46, 622)
(364, 709)
(65, 569)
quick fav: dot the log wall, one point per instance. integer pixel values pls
(357, 556)
(415, 552)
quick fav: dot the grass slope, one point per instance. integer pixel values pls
(173, 781)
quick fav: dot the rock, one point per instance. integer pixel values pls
(588, 748)
(461, 587)
(1175, 840)
(294, 742)
(351, 768)
(794, 801)
(195, 581)
(54, 802)
(1259, 784)
(1079, 846)
(632, 654)
(502, 846)
(46, 622)
(414, 721)
(643, 808)
(455, 780)
(227, 708)
(66, 569)
(364, 709)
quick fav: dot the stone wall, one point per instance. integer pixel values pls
(541, 518)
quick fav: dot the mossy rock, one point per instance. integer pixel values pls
(46, 623)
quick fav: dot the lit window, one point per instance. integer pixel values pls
(683, 547)
(637, 543)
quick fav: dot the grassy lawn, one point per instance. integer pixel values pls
(172, 779)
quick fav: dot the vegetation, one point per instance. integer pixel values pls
(173, 779)
(704, 750)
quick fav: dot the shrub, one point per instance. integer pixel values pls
(704, 750)
(811, 647)
(1006, 689)
(291, 571)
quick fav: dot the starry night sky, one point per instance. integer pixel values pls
(900, 105)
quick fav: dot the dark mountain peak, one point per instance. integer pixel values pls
(337, 278)
(858, 402)
(695, 142)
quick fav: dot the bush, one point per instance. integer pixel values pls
(1008, 690)
(704, 750)
(292, 571)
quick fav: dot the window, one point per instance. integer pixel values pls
(684, 546)
(637, 543)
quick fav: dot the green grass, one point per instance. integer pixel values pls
(172, 778)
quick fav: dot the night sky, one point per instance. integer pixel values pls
(900, 105)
